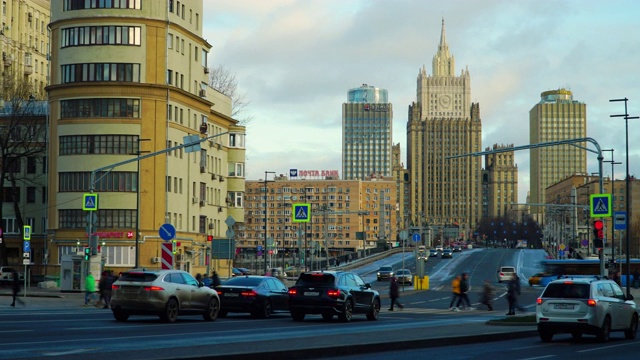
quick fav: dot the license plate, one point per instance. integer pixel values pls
(311, 293)
(563, 306)
(231, 294)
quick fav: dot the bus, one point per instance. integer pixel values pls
(555, 268)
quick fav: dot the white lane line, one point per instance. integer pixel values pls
(538, 357)
(69, 352)
(606, 347)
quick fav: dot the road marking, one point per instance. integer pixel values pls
(69, 352)
(606, 347)
(538, 357)
(14, 331)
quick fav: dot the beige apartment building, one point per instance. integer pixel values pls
(131, 79)
(443, 122)
(24, 38)
(499, 183)
(557, 116)
(340, 209)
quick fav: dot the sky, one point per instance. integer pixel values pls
(295, 60)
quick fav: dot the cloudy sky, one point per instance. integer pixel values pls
(295, 60)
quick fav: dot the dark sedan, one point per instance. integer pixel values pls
(332, 293)
(258, 295)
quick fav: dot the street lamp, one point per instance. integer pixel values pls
(613, 242)
(266, 194)
(628, 185)
(138, 153)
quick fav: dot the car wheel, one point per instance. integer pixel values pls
(327, 316)
(266, 309)
(212, 310)
(347, 311)
(631, 332)
(605, 330)
(120, 315)
(375, 310)
(222, 313)
(576, 335)
(297, 315)
(545, 336)
(170, 311)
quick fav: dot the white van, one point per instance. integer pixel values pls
(505, 273)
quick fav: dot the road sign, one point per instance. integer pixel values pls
(26, 261)
(230, 221)
(90, 202)
(167, 232)
(26, 246)
(301, 212)
(26, 255)
(403, 235)
(26, 233)
(259, 247)
(620, 220)
(600, 205)
(415, 237)
(230, 234)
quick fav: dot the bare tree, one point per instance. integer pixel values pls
(23, 141)
(224, 81)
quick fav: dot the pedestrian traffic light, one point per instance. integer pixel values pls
(87, 253)
(598, 233)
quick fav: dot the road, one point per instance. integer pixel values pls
(70, 331)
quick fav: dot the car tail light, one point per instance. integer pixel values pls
(539, 301)
(219, 292)
(249, 293)
(568, 282)
(153, 288)
(501, 274)
(293, 292)
(592, 302)
(333, 293)
(115, 287)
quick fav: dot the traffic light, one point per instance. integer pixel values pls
(209, 237)
(598, 233)
(87, 253)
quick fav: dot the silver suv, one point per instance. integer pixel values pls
(585, 305)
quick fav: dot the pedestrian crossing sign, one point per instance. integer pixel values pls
(600, 205)
(301, 213)
(90, 202)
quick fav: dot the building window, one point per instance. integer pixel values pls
(100, 72)
(105, 182)
(104, 107)
(11, 194)
(10, 226)
(101, 35)
(107, 219)
(102, 4)
(31, 165)
(31, 195)
(98, 144)
(119, 255)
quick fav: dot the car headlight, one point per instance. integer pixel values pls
(378, 274)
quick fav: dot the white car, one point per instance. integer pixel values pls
(585, 305)
(505, 273)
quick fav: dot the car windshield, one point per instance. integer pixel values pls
(507, 269)
(315, 279)
(403, 272)
(385, 268)
(138, 276)
(243, 281)
(566, 291)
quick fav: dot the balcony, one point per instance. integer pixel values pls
(28, 69)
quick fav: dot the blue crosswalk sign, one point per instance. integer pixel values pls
(600, 205)
(301, 213)
(90, 202)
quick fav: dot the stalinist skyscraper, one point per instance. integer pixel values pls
(443, 122)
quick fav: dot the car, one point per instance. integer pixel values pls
(240, 272)
(433, 253)
(439, 248)
(258, 295)
(447, 253)
(535, 278)
(294, 270)
(384, 273)
(404, 276)
(585, 305)
(330, 293)
(276, 272)
(457, 248)
(505, 273)
(245, 271)
(6, 274)
(164, 293)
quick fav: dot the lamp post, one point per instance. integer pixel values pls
(613, 197)
(266, 194)
(138, 153)
(628, 184)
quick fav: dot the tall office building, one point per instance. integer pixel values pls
(556, 117)
(444, 122)
(24, 39)
(366, 133)
(499, 183)
(131, 78)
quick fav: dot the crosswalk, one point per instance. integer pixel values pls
(461, 312)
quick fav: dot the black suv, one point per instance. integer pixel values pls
(333, 293)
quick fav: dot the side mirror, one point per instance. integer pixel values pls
(367, 286)
(629, 297)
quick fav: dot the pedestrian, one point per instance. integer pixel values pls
(394, 293)
(513, 291)
(636, 278)
(15, 288)
(215, 280)
(464, 292)
(102, 285)
(108, 288)
(455, 289)
(199, 278)
(349, 259)
(487, 295)
(89, 288)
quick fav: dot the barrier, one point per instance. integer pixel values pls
(421, 283)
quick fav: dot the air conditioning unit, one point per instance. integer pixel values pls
(202, 202)
(195, 200)
(203, 169)
(213, 176)
(180, 257)
(155, 260)
(203, 93)
(206, 70)
(211, 143)
(211, 226)
(221, 178)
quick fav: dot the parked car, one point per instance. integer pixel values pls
(447, 254)
(505, 273)
(332, 293)
(585, 305)
(6, 274)
(240, 272)
(384, 273)
(439, 248)
(457, 248)
(404, 276)
(258, 295)
(164, 293)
